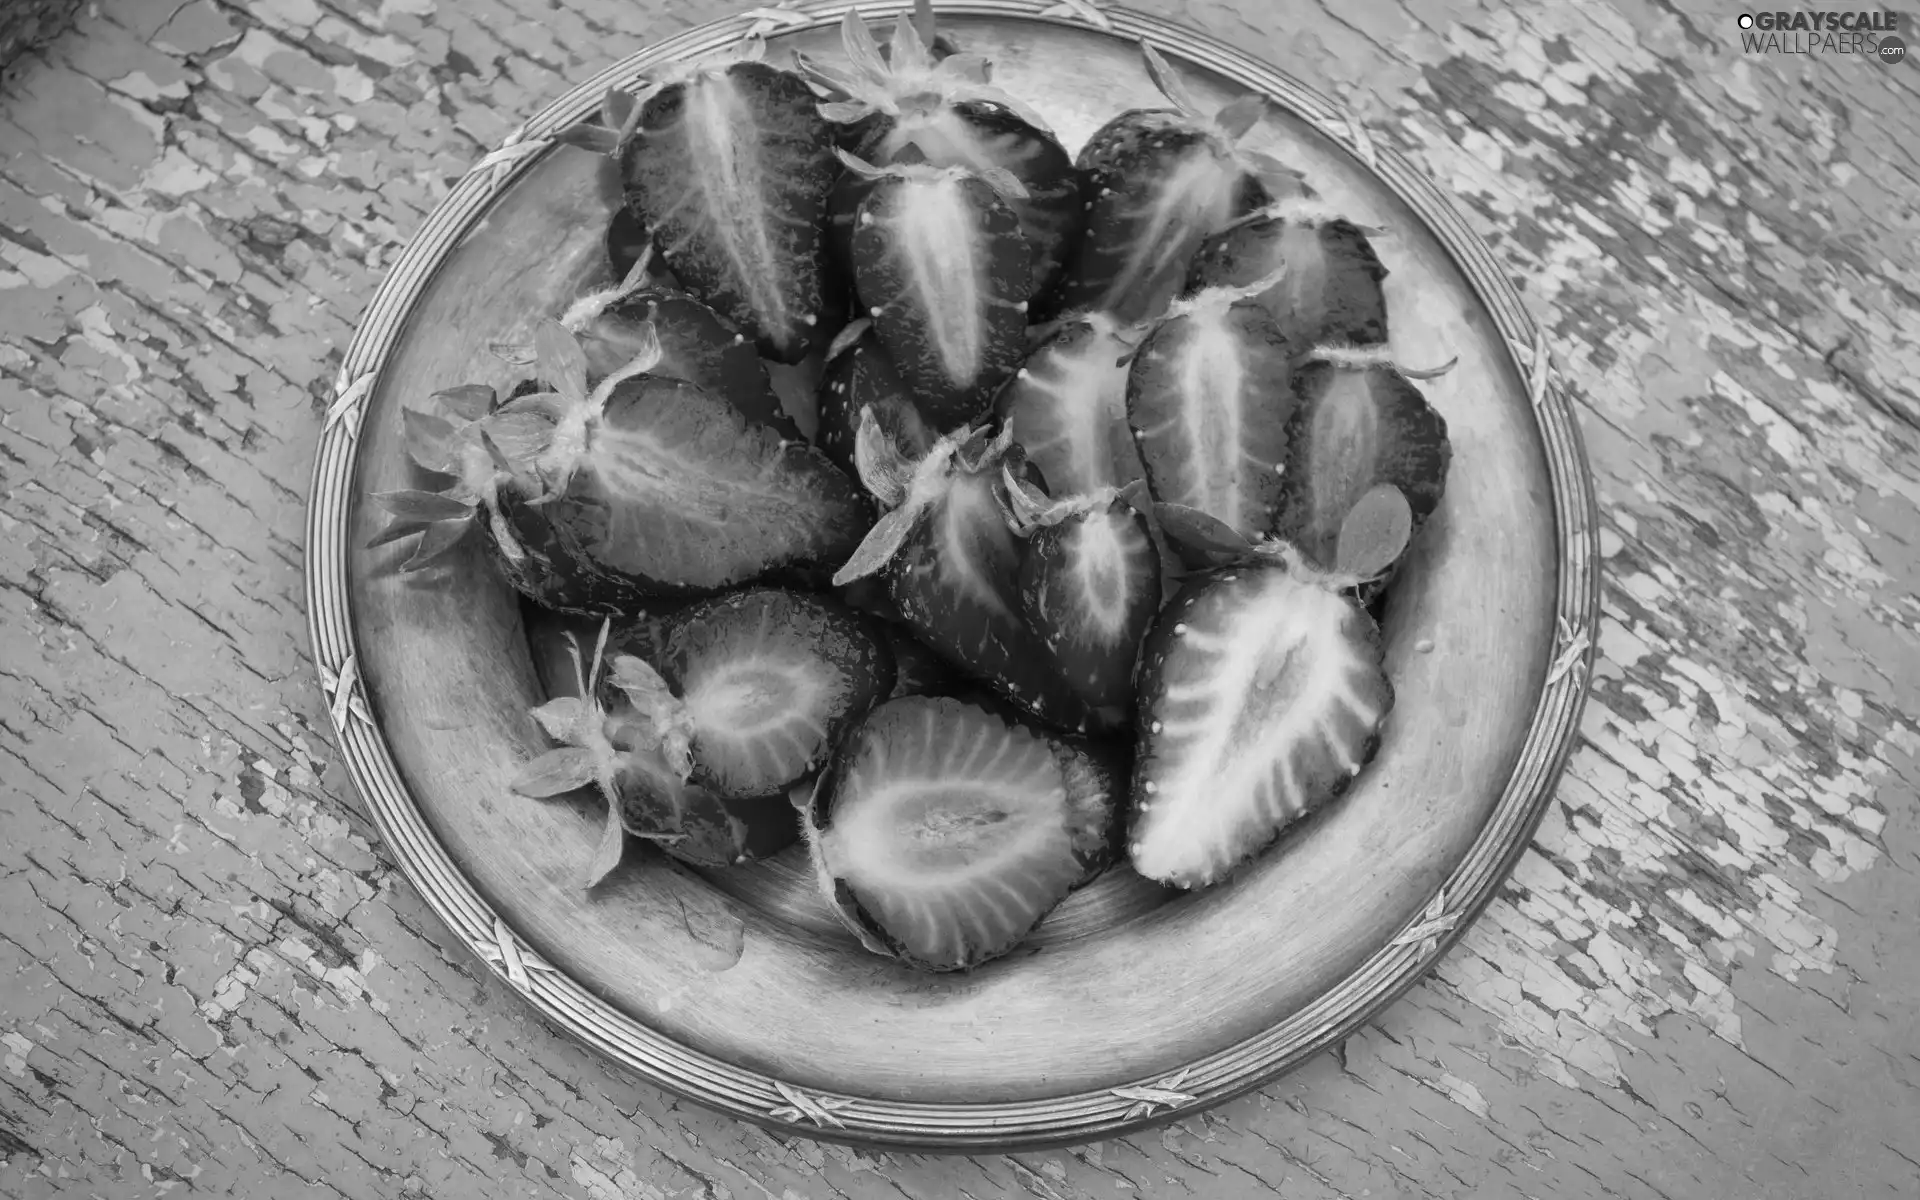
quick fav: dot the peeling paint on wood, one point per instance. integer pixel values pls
(1699, 984)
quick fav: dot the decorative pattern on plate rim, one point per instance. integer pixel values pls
(1164, 1094)
(514, 148)
(342, 687)
(1086, 10)
(801, 1105)
(509, 955)
(349, 398)
(1574, 642)
(1433, 921)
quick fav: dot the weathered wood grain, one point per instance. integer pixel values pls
(1700, 984)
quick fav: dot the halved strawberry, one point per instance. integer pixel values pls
(1155, 183)
(952, 565)
(1089, 587)
(758, 684)
(1068, 407)
(940, 264)
(918, 668)
(1262, 696)
(697, 345)
(728, 167)
(616, 747)
(900, 96)
(859, 376)
(1360, 423)
(1208, 399)
(644, 487)
(1328, 285)
(627, 242)
(943, 834)
(554, 638)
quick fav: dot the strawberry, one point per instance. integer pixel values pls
(860, 375)
(1361, 423)
(952, 564)
(1209, 398)
(1155, 183)
(644, 487)
(943, 834)
(1262, 695)
(1089, 586)
(900, 96)
(696, 344)
(627, 242)
(554, 638)
(1068, 407)
(942, 268)
(753, 687)
(728, 166)
(614, 746)
(1328, 286)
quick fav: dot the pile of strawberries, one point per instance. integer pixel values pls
(982, 513)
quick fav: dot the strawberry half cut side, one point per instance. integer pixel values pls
(951, 560)
(1262, 696)
(618, 748)
(697, 345)
(729, 168)
(860, 376)
(1209, 399)
(1089, 587)
(644, 487)
(943, 834)
(901, 97)
(942, 268)
(1068, 407)
(1329, 278)
(1360, 423)
(1155, 183)
(763, 681)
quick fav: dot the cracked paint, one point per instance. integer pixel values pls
(215, 981)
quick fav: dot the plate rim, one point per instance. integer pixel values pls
(951, 1127)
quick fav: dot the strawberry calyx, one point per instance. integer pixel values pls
(663, 723)
(619, 116)
(905, 79)
(1227, 127)
(907, 488)
(911, 164)
(586, 755)
(1372, 538)
(1361, 358)
(1029, 510)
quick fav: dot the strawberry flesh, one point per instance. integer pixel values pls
(940, 265)
(675, 494)
(1262, 695)
(1329, 288)
(944, 834)
(697, 345)
(980, 134)
(1154, 183)
(956, 583)
(1089, 587)
(1068, 408)
(770, 678)
(1357, 427)
(729, 171)
(1209, 398)
(860, 377)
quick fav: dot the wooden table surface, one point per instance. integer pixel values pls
(1699, 984)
